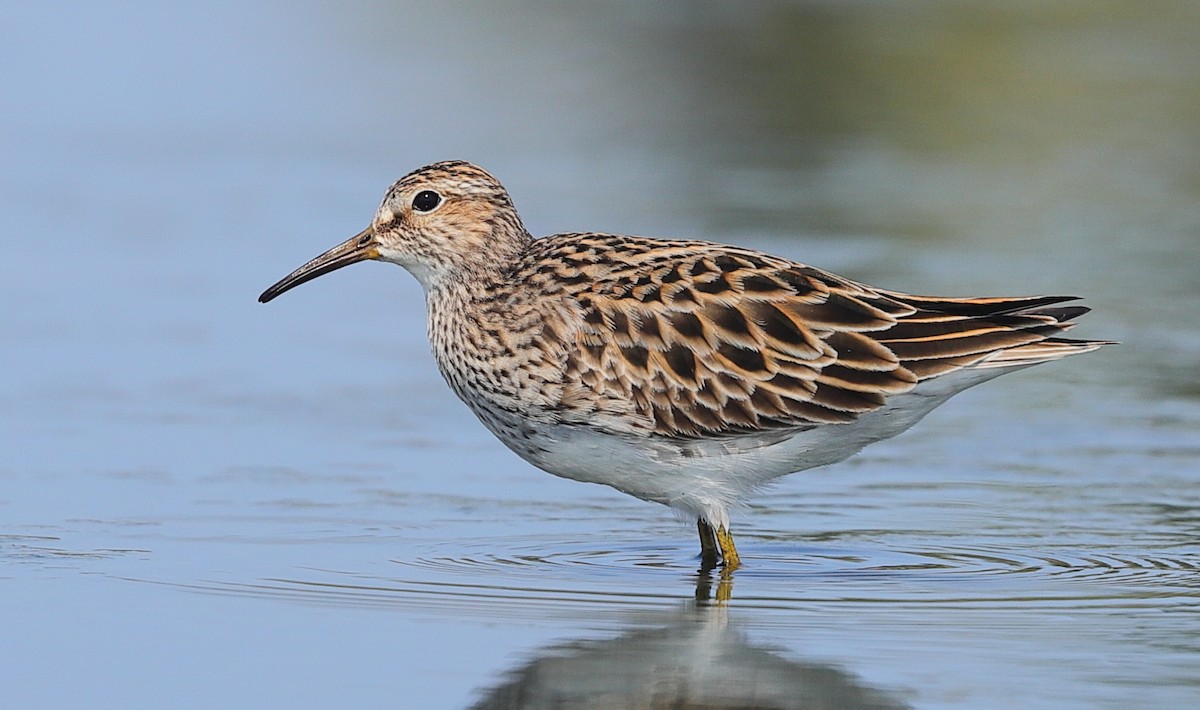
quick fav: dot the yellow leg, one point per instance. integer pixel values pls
(729, 551)
(717, 545)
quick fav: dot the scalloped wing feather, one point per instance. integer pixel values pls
(692, 339)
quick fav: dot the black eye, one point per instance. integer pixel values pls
(426, 200)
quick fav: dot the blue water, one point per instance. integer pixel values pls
(205, 501)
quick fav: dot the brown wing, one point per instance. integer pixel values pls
(703, 339)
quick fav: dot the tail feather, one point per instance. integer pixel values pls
(1044, 351)
(947, 334)
(982, 307)
(1061, 314)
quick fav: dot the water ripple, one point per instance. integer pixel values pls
(552, 578)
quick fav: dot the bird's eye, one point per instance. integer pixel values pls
(426, 200)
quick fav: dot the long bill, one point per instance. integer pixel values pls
(360, 247)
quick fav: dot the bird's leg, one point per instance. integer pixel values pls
(717, 545)
(729, 553)
(709, 554)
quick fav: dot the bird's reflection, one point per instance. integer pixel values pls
(688, 659)
(709, 578)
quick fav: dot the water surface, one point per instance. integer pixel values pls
(205, 501)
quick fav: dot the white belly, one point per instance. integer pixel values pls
(706, 477)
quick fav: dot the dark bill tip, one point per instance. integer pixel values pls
(360, 247)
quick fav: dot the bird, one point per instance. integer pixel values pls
(681, 372)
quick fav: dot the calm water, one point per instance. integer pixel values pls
(207, 502)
